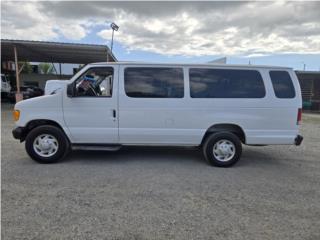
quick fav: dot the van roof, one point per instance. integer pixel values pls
(191, 64)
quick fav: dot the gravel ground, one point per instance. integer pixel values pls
(162, 193)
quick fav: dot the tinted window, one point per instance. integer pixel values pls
(282, 84)
(153, 82)
(224, 83)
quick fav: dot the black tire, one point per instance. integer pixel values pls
(212, 139)
(63, 143)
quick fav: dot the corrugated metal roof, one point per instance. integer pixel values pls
(56, 52)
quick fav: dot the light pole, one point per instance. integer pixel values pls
(114, 27)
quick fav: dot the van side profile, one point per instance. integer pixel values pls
(215, 107)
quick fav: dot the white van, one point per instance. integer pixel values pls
(215, 107)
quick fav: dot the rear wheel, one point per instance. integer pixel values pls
(222, 149)
(47, 144)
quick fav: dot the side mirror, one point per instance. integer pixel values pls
(71, 90)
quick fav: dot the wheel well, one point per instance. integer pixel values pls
(226, 127)
(39, 122)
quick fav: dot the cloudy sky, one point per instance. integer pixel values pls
(277, 33)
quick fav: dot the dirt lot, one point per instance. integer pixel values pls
(162, 193)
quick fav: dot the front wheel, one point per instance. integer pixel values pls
(222, 149)
(47, 144)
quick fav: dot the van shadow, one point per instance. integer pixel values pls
(251, 156)
(139, 154)
(258, 157)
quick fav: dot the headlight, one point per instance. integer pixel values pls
(16, 115)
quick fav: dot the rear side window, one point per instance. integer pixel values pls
(282, 84)
(147, 82)
(225, 83)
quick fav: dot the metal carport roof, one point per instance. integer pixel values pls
(55, 52)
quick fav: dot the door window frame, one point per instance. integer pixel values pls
(84, 72)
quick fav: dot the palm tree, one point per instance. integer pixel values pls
(26, 67)
(46, 68)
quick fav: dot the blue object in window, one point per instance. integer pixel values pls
(89, 78)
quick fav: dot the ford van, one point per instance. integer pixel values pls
(214, 107)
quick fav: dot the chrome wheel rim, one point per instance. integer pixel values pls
(224, 150)
(45, 145)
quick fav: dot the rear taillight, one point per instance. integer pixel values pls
(299, 117)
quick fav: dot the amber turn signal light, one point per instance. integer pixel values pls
(16, 115)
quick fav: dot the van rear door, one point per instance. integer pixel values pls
(287, 104)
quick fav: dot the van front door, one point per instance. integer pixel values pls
(91, 114)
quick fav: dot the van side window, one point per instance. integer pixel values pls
(151, 82)
(225, 83)
(282, 84)
(96, 82)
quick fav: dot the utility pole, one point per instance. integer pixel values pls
(17, 69)
(114, 27)
(18, 96)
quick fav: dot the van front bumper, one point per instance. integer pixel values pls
(298, 140)
(19, 133)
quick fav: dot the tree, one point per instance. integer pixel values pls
(27, 68)
(46, 68)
